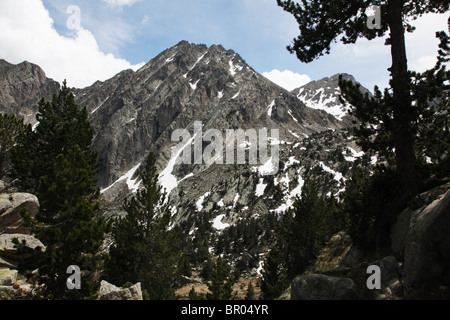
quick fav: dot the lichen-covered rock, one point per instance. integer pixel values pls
(11, 207)
(7, 276)
(109, 291)
(8, 247)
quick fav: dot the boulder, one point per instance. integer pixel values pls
(400, 231)
(323, 287)
(7, 276)
(340, 271)
(11, 206)
(391, 287)
(4, 262)
(8, 249)
(109, 291)
(353, 257)
(427, 243)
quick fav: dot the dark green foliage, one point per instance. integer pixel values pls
(274, 277)
(430, 91)
(304, 228)
(369, 206)
(250, 294)
(144, 249)
(322, 22)
(68, 224)
(195, 296)
(61, 170)
(372, 203)
(299, 235)
(11, 129)
(221, 284)
(429, 119)
(207, 270)
(62, 126)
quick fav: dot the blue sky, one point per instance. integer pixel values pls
(119, 34)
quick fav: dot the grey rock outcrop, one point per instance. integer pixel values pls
(109, 291)
(8, 247)
(11, 207)
(323, 287)
(421, 238)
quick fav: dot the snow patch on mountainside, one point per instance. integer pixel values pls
(320, 100)
(133, 184)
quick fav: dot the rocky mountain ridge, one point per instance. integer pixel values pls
(183, 84)
(135, 113)
(324, 95)
(22, 86)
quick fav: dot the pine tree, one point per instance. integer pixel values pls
(274, 277)
(306, 227)
(62, 169)
(250, 294)
(11, 129)
(221, 284)
(364, 202)
(61, 126)
(322, 22)
(69, 226)
(377, 133)
(144, 249)
(430, 92)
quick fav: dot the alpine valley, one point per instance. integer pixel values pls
(227, 206)
(135, 113)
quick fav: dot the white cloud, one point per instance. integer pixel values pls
(28, 34)
(120, 3)
(287, 79)
(422, 44)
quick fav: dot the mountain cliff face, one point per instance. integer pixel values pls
(22, 86)
(136, 112)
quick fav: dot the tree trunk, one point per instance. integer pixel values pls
(402, 108)
(403, 113)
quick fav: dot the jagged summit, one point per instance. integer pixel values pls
(134, 113)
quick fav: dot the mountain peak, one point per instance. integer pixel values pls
(324, 95)
(137, 112)
(22, 86)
